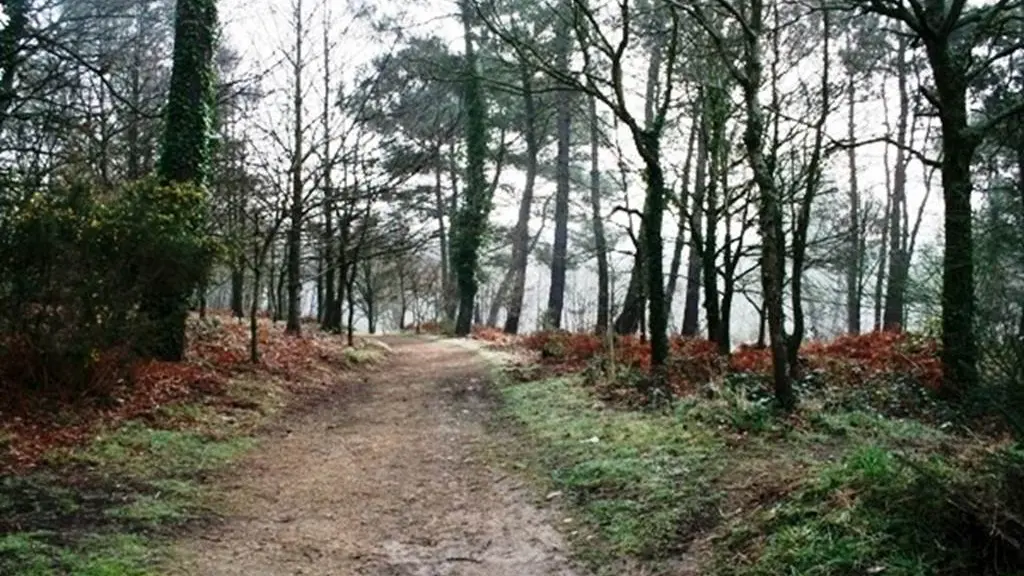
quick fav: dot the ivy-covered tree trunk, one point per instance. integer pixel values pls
(184, 159)
(959, 349)
(475, 207)
(650, 146)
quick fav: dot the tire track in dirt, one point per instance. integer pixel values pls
(382, 481)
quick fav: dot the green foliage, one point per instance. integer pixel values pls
(90, 278)
(186, 154)
(470, 225)
(869, 513)
(34, 554)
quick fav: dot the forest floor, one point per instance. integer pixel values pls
(415, 456)
(388, 476)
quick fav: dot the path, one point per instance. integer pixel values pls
(382, 480)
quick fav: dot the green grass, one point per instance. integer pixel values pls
(104, 509)
(730, 483)
(643, 482)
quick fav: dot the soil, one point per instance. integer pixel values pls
(383, 478)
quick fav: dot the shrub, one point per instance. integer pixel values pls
(88, 281)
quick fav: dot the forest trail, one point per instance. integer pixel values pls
(382, 479)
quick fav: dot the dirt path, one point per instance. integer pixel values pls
(382, 480)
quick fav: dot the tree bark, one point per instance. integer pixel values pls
(803, 221)
(854, 270)
(237, 289)
(691, 311)
(500, 298)
(597, 222)
(959, 350)
(684, 196)
(769, 207)
(521, 234)
(715, 114)
(294, 326)
(556, 293)
(632, 315)
(475, 207)
(331, 320)
(892, 317)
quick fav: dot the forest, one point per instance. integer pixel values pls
(764, 216)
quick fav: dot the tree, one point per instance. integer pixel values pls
(950, 33)
(471, 223)
(608, 55)
(748, 75)
(184, 159)
(556, 294)
(597, 222)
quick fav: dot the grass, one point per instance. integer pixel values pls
(644, 483)
(105, 508)
(729, 484)
(116, 498)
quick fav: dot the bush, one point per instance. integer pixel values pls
(88, 281)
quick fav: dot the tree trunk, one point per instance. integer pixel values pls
(715, 114)
(444, 239)
(320, 286)
(237, 289)
(350, 325)
(769, 209)
(892, 318)
(521, 234)
(556, 292)
(803, 220)
(473, 213)
(632, 315)
(254, 306)
(185, 153)
(855, 243)
(628, 321)
(294, 325)
(959, 350)
(500, 297)
(691, 311)
(883, 252)
(597, 222)
(331, 320)
(649, 145)
(684, 195)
